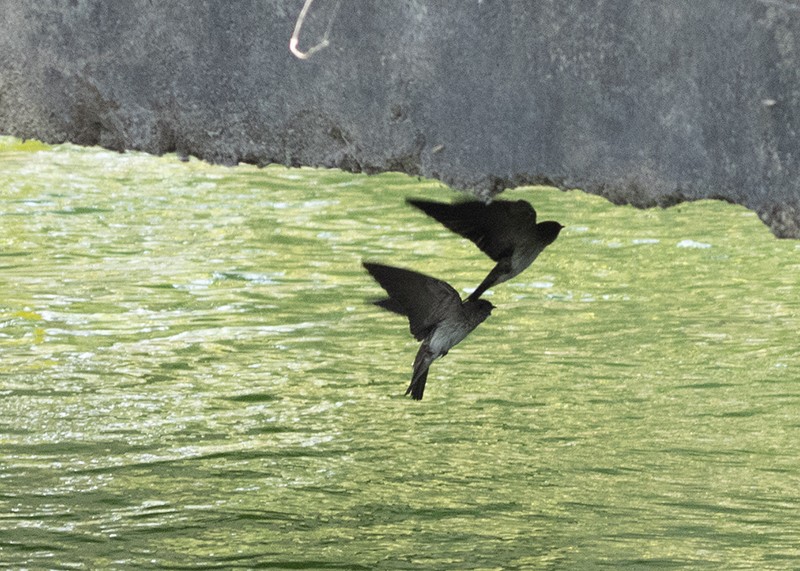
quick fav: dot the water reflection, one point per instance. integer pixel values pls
(191, 377)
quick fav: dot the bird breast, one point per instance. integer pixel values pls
(524, 257)
(449, 332)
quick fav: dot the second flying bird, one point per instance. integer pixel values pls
(505, 231)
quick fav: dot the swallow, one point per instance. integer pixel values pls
(504, 230)
(436, 314)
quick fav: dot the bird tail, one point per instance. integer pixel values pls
(499, 274)
(487, 282)
(422, 363)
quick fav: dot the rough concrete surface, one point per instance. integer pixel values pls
(644, 102)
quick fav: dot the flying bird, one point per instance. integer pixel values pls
(504, 230)
(435, 313)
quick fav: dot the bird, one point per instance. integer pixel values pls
(436, 314)
(504, 230)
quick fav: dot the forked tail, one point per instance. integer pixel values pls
(422, 363)
(487, 282)
(499, 274)
(417, 386)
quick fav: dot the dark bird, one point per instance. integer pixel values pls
(505, 231)
(435, 312)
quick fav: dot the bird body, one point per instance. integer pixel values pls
(435, 312)
(506, 231)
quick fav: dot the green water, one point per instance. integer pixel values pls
(190, 378)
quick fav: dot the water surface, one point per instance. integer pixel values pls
(190, 377)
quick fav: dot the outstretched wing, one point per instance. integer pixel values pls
(423, 299)
(495, 228)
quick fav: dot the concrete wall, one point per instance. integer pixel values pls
(647, 102)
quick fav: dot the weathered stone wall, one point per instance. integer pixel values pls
(645, 102)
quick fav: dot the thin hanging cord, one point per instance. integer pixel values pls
(299, 24)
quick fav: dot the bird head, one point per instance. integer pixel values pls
(483, 307)
(548, 230)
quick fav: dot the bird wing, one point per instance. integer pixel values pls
(495, 228)
(423, 299)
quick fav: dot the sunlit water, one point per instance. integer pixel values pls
(192, 377)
